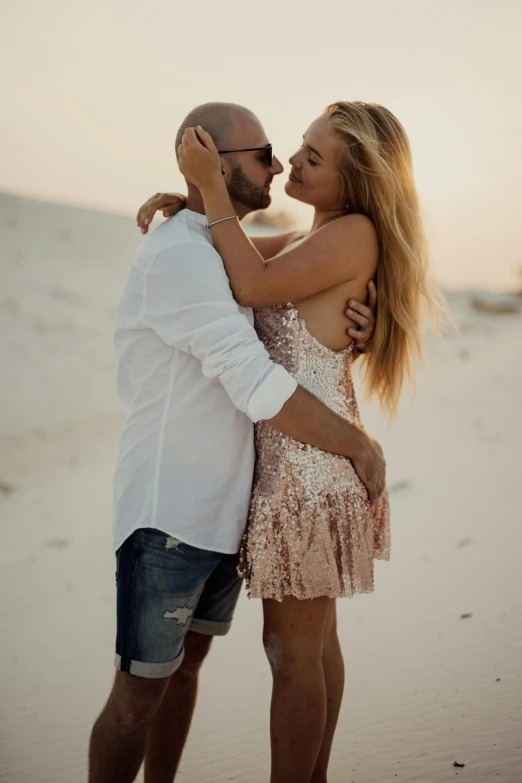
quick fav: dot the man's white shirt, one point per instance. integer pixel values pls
(193, 376)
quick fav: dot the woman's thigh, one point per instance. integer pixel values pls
(330, 626)
(294, 628)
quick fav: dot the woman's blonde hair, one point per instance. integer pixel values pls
(376, 170)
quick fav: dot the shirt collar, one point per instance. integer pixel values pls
(196, 217)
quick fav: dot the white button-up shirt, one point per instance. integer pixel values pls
(193, 376)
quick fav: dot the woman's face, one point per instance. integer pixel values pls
(314, 177)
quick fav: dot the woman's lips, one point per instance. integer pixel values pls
(293, 178)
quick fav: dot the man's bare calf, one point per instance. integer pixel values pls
(147, 718)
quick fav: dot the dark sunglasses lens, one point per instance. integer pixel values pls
(269, 157)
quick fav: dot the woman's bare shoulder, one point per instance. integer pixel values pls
(355, 222)
(357, 231)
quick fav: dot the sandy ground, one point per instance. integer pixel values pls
(433, 657)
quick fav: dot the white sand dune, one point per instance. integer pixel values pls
(433, 658)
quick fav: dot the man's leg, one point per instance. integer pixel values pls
(169, 728)
(159, 584)
(118, 738)
(293, 637)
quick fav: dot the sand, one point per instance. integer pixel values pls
(433, 657)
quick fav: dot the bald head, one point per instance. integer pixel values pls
(246, 174)
(224, 122)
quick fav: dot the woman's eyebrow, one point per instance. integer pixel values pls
(315, 151)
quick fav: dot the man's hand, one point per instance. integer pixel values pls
(364, 317)
(307, 419)
(371, 469)
(169, 203)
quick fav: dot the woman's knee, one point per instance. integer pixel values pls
(291, 656)
(293, 633)
(275, 652)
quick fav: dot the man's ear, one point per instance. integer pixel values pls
(226, 171)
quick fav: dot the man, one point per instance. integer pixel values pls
(194, 376)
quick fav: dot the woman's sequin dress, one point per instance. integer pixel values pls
(312, 530)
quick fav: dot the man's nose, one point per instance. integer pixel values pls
(276, 167)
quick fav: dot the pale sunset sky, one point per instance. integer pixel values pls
(93, 92)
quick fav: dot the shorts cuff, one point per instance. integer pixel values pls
(209, 627)
(152, 671)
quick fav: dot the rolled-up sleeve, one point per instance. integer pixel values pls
(187, 301)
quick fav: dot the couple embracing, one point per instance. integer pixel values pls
(216, 333)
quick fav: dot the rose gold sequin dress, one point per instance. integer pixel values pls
(311, 531)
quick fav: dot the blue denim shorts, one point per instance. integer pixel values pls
(165, 588)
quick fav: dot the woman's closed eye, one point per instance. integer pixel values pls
(312, 162)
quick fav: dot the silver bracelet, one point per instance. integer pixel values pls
(232, 217)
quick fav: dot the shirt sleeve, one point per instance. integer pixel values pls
(189, 304)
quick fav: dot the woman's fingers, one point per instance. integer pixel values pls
(150, 211)
(206, 139)
(168, 203)
(198, 137)
(141, 210)
(190, 138)
(143, 218)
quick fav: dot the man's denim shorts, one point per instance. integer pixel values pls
(164, 589)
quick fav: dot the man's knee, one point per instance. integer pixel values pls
(134, 700)
(197, 646)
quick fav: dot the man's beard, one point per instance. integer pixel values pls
(243, 190)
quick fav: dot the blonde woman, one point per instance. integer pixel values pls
(313, 534)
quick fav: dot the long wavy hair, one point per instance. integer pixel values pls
(376, 170)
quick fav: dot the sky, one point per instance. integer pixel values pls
(93, 93)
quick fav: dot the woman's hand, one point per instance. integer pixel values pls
(169, 203)
(198, 159)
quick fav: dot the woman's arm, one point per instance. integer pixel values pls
(172, 203)
(271, 246)
(338, 252)
(344, 249)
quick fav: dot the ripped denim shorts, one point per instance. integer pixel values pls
(164, 589)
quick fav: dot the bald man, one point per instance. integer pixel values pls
(194, 377)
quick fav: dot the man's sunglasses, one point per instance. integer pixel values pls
(269, 156)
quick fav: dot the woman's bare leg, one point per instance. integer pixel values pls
(333, 667)
(293, 636)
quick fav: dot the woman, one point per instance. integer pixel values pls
(312, 534)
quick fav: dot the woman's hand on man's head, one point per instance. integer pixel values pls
(198, 158)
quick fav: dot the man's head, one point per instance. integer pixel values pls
(247, 174)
